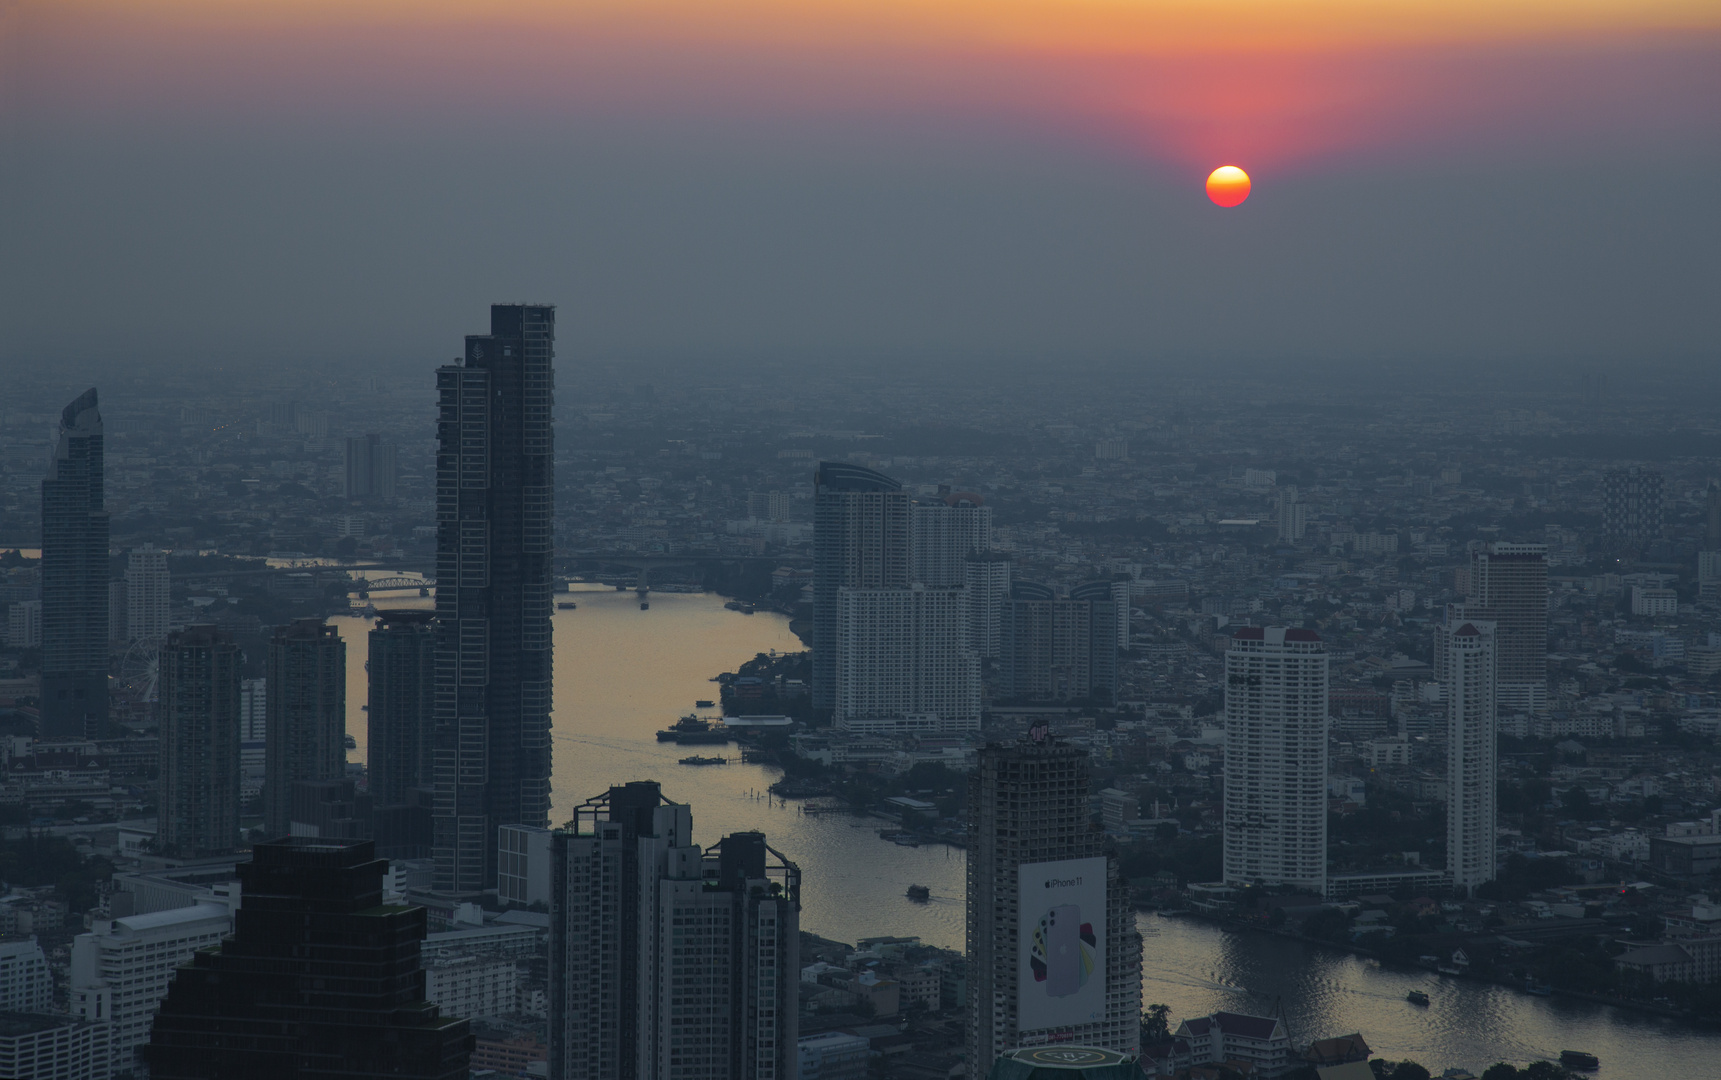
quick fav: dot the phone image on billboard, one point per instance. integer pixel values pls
(1063, 950)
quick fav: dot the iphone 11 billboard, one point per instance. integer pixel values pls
(1061, 923)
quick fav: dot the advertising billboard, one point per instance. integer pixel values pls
(1061, 944)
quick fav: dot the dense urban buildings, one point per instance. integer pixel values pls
(495, 501)
(1276, 758)
(198, 713)
(319, 977)
(1471, 651)
(305, 740)
(667, 961)
(860, 541)
(75, 578)
(1053, 954)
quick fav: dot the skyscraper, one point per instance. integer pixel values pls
(1631, 506)
(75, 579)
(1509, 587)
(370, 468)
(860, 540)
(402, 700)
(668, 962)
(1276, 758)
(1472, 739)
(1053, 954)
(986, 577)
(318, 979)
(198, 707)
(1055, 648)
(943, 534)
(148, 588)
(1293, 515)
(307, 727)
(904, 663)
(494, 506)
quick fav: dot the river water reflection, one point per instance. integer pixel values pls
(623, 673)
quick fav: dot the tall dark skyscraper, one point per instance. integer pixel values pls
(860, 540)
(198, 710)
(370, 468)
(318, 979)
(402, 692)
(307, 728)
(75, 579)
(494, 506)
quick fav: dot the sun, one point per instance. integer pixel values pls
(1228, 185)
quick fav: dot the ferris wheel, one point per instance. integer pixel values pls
(139, 672)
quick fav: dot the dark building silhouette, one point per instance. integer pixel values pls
(197, 707)
(860, 540)
(666, 960)
(1053, 648)
(319, 979)
(1631, 506)
(306, 735)
(75, 579)
(494, 504)
(370, 468)
(402, 703)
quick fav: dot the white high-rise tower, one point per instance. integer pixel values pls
(1471, 662)
(1276, 758)
(147, 599)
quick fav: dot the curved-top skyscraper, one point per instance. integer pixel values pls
(75, 579)
(495, 498)
(860, 540)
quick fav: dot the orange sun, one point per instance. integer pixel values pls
(1228, 185)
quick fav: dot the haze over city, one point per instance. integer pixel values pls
(907, 540)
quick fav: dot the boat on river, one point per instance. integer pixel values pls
(1416, 997)
(697, 760)
(1578, 1059)
(566, 605)
(704, 703)
(692, 731)
(919, 892)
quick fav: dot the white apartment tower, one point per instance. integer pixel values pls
(904, 663)
(986, 579)
(121, 968)
(147, 599)
(1276, 758)
(1471, 659)
(25, 983)
(941, 536)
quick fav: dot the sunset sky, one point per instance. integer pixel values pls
(837, 179)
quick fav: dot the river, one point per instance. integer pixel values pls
(623, 673)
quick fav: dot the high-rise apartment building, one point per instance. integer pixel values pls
(1053, 953)
(904, 663)
(1293, 516)
(307, 729)
(24, 624)
(75, 579)
(1631, 506)
(401, 716)
(121, 968)
(495, 497)
(1054, 648)
(860, 541)
(668, 962)
(1508, 586)
(148, 600)
(1276, 758)
(318, 979)
(768, 505)
(986, 580)
(198, 708)
(26, 985)
(943, 534)
(1472, 741)
(370, 468)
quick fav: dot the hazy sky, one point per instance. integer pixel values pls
(848, 180)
